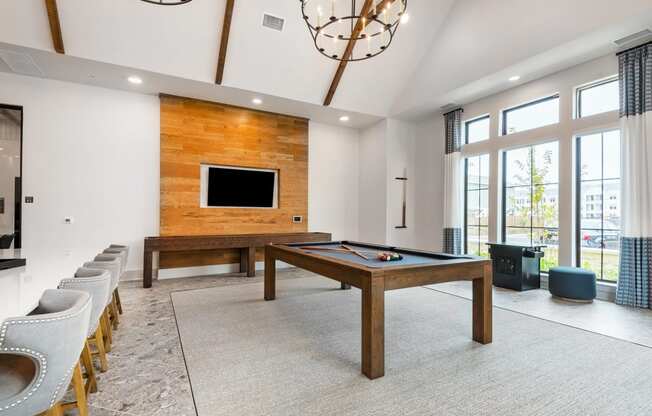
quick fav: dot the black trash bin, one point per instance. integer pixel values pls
(516, 267)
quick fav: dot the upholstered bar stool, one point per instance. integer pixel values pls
(101, 339)
(112, 265)
(121, 247)
(39, 355)
(97, 284)
(123, 251)
(121, 257)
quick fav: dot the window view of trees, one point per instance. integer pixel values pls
(476, 221)
(531, 199)
(598, 203)
(530, 179)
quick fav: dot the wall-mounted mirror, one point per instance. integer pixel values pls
(11, 134)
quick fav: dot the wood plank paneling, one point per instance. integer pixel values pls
(195, 132)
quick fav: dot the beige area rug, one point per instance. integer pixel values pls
(300, 355)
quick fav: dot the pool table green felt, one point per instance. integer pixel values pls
(410, 258)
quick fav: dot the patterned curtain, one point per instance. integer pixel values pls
(453, 203)
(635, 272)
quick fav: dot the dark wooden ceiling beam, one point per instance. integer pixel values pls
(224, 42)
(55, 25)
(379, 7)
(366, 7)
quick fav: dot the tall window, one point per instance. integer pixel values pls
(531, 199)
(531, 115)
(476, 130)
(598, 203)
(476, 203)
(598, 97)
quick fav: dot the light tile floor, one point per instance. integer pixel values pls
(606, 318)
(147, 373)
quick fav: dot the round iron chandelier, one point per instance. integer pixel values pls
(167, 2)
(346, 30)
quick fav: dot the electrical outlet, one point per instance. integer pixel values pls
(297, 219)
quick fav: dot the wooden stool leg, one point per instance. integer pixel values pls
(87, 362)
(107, 332)
(80, 393)
(114, 313)
(55, 410)
(118, 302)
(101, 351)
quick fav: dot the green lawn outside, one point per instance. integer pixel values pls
(590, 258)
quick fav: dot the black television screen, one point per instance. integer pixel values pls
(233, 187)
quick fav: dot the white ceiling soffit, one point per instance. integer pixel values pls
(483, 43)
(84, 71)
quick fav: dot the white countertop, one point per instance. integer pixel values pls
(22, 287)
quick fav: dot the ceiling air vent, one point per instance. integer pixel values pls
(20, 63)
(449, 107)
(273, 22)
(635, 39)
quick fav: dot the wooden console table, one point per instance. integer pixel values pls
(247, 244)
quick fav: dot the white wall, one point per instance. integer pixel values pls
(400, 162)
(373, 183)
(429, 183)
(333, 180)
(91, 154)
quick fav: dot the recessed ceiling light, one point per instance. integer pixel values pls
(135, 80)
(344, 118)
(405, 18)
(514, 78)
(257, 101)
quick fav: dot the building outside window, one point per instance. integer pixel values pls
(476, 205)
(598, 203)
(530, 199)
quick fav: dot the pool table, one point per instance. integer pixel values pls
(373, 277)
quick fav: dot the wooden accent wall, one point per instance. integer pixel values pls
(195, 132)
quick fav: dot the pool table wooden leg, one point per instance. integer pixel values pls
(270, 277)
(482, 307)
(373, 328)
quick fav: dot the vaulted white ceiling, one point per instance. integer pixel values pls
(451, 50)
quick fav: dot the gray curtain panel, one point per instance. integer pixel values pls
(635, 270)
(453, 203)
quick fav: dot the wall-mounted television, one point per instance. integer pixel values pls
(238, 187)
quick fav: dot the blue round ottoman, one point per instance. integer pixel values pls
(572, 283)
